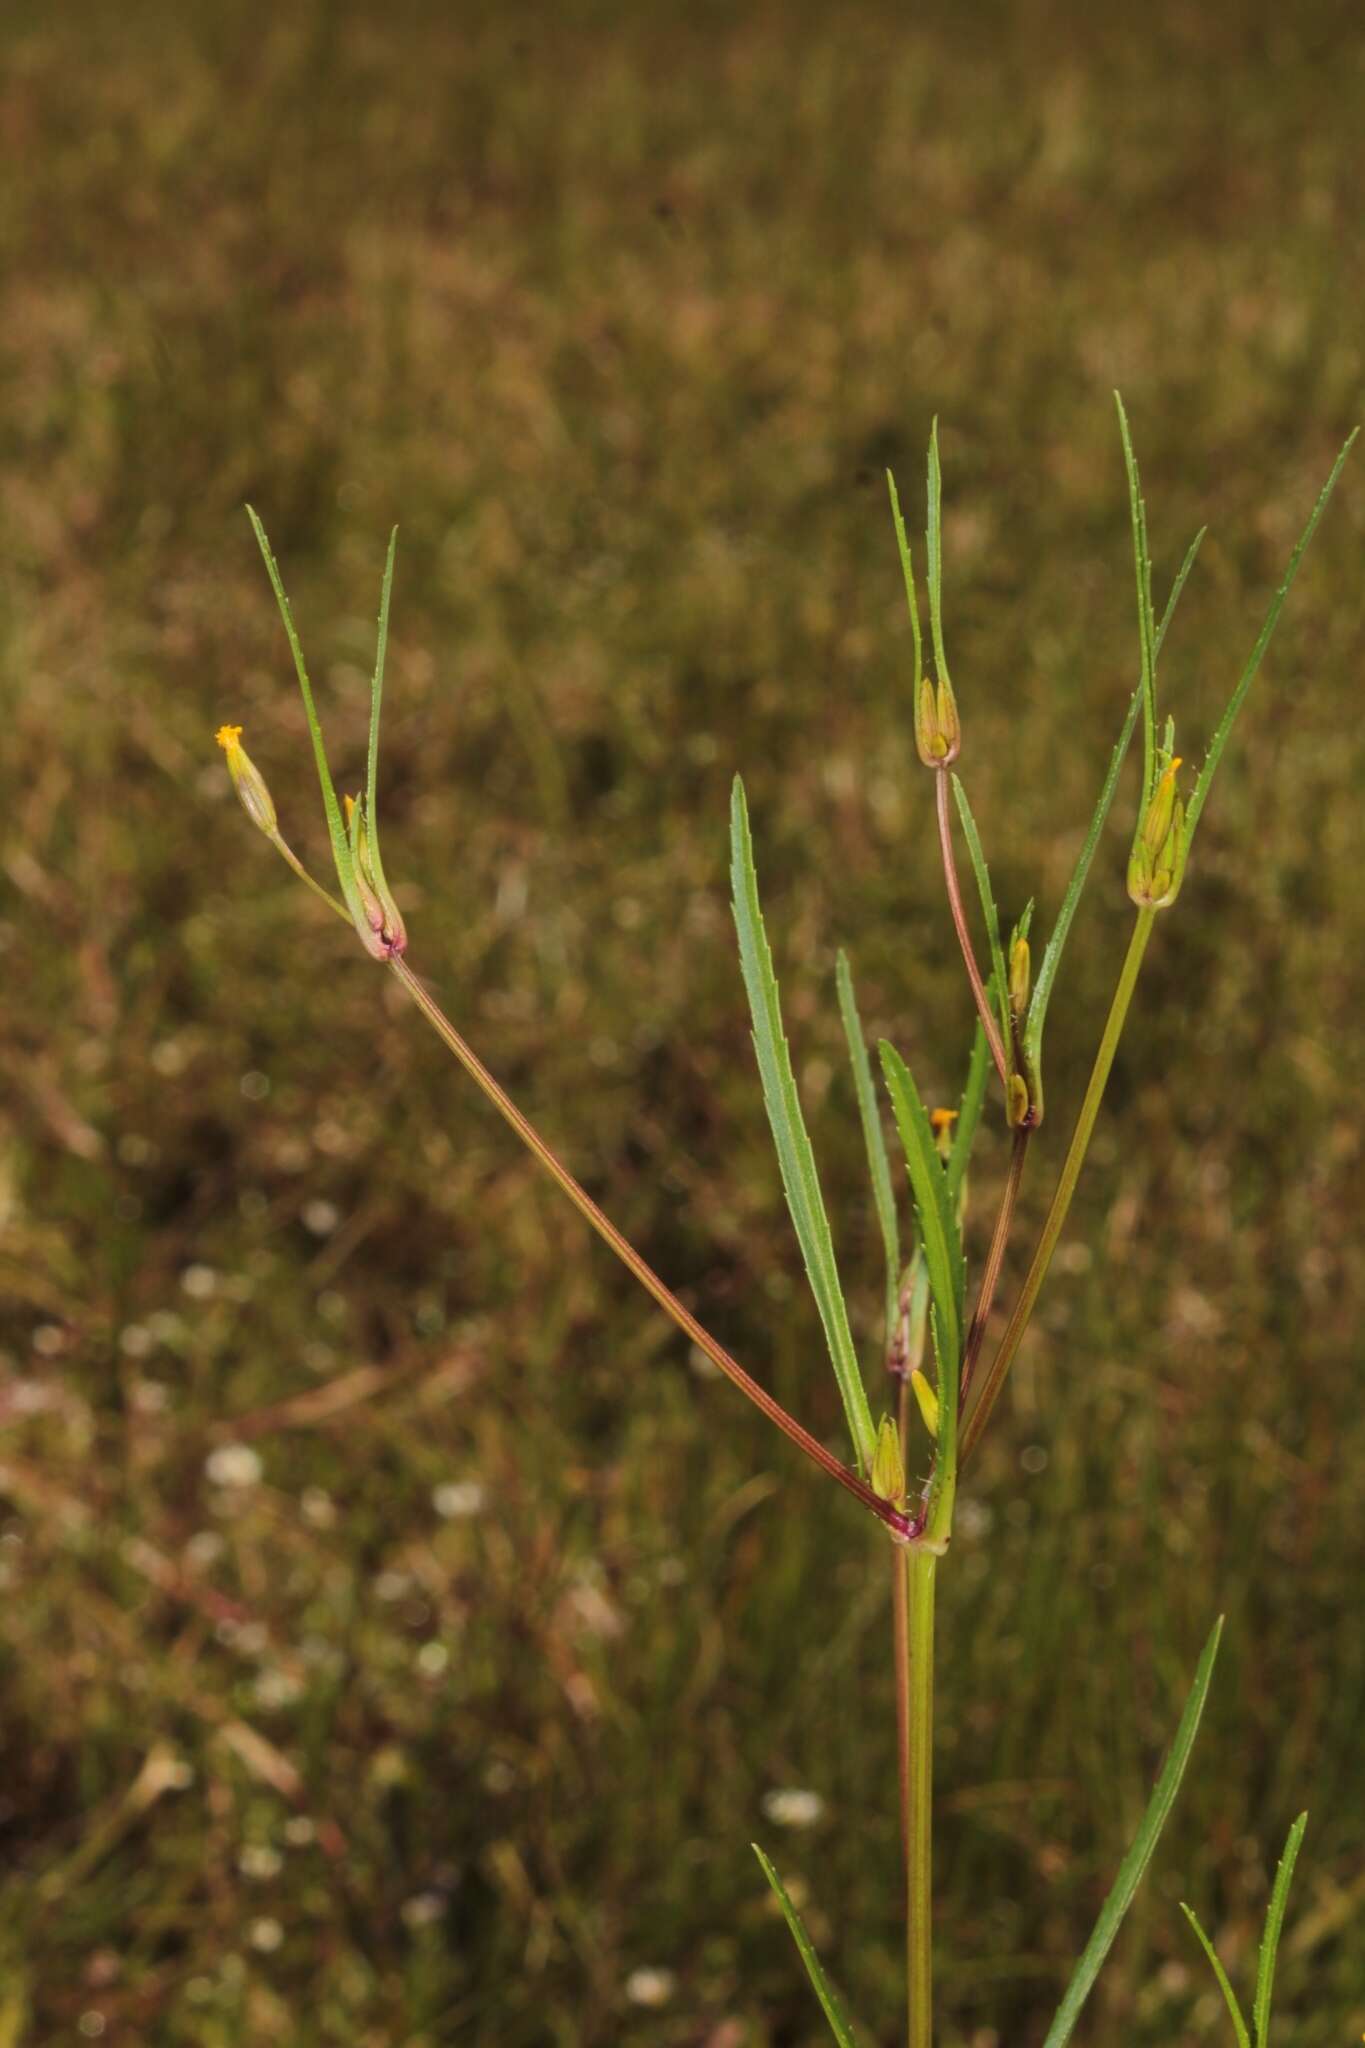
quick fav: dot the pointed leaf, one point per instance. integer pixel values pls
(934, 544)
(969, 1108)
(1220, 738)
(1274, 1924)
(873, 1138)
(1142, 566)
(907, 570)
(1140, 1855)
(376, 698)
(341, 850)
(824, 1990)
(797, 1160)
(1239, 2025)
(991, 914)
(1052, 957)
(929, 1183)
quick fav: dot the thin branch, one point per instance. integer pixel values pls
(955, 904)
(995, 1258)
(899, 1524)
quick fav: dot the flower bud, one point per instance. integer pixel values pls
(383, 932)
(1020, 977)
(928, 1402)
(941, 1123)
(888, 1467)
(1156, 866)
(938, 730)
(248, 780)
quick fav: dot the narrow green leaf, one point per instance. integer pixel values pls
(934, 544)
(838, 2019)
(929, 1183)
(1140, 1855)
(341, 850)
(874, 1139)
(999, 975)
(376, 698)
(969, 1108)
(797, 1160)
(947, 1361)
(1239, 2025)
(1220, 738)
(1274, 1925)
(1052, 956)
(907, 570)
(1142, 566)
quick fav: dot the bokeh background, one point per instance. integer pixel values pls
(402, 1640)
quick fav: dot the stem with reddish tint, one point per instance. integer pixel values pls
(945, 839)
(995, 1258)
(898, 1523)
(1066, 1185)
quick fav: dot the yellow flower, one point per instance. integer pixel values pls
(247, 780)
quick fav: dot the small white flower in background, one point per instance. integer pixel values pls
(650, 1987)
(459, 1498)
(432, 1659)
(275, 1689)
(234, 1465)
(266, 1935)
(199, 1282)
(792, 1807)
(321, 1218)
(259, 1860)
(423, 1909)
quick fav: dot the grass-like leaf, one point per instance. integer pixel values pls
(907, 570)
(969, 1107)
(934, 546)
(1239, 2025)
(797, 1160)
(999, 976)
(929, 1183)
(1142, 567)
(840, 2025)
(874, 1138)
(1220, 738)
(376, 698)
(1140, 1855)
(1052, 956)
(1274, 1925)
(341, 849)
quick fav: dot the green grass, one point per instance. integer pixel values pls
(623, 321)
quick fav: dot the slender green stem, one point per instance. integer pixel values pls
(899, 1524)
(995, 1257)
(1066, 1186)
(964, 937)
(919, 1567)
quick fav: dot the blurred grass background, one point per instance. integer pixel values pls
(400, 1637)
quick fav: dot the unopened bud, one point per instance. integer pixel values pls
(248, 780)
(938, 730)
(1156, 826)
(941, 1123)
(928, 1402)
(1020, 977)
(1156, 866)
(383, 932)
(888, 1467)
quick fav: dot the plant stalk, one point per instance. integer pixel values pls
(899, 1524)
(1066, 1185)
(964, 938)
(995, 1258)
(917, 1690)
